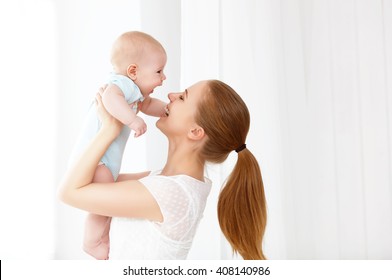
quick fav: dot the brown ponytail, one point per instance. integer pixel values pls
(242, 205)
(242, 208)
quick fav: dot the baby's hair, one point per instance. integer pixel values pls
(130, 47)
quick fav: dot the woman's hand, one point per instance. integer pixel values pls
(109, 123)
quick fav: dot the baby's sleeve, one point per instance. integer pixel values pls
(130, 90)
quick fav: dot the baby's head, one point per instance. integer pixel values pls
(140, 57)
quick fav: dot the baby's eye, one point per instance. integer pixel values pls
(159, 72)
(181, 97)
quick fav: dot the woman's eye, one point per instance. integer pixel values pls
(159, 72)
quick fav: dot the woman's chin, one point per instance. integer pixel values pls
(158, 123)
(161, 125)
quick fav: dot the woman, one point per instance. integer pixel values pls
(155, 215)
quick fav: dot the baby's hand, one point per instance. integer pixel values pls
(139, 126)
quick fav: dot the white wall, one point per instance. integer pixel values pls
(28, 122)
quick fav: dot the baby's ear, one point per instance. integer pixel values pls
(132, 71)
(196, 133)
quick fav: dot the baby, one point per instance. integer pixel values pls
(138, 62)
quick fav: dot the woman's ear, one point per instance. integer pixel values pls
(132, 71)
(196, 133)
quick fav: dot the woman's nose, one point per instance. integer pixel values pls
(172, 96)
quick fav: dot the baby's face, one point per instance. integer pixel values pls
(150, 72)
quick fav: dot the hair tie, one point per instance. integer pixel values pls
(240, 148)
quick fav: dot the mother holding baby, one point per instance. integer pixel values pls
(155, 214)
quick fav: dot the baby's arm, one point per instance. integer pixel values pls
(153, 107)
(114, 101)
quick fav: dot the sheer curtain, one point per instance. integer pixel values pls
(336, 128)
(316, 77)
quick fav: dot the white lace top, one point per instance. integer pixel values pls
(182, 200)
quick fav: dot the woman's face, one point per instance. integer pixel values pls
(180, 112)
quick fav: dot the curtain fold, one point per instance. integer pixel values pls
(316, 77)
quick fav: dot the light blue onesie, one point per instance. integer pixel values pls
(113, 156)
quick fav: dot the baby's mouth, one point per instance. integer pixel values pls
(167, 111)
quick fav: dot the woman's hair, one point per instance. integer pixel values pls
(242, 205)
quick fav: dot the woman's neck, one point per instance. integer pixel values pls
(182, 160)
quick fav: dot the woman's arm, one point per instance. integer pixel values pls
(121, 199)
(132, 176)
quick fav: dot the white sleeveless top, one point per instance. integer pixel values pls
(182, 200)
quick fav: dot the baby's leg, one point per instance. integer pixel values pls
(96, 231)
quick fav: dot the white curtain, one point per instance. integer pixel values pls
(316, 75)
(335, 120)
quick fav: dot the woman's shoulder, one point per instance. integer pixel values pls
(181, 179)
(179, 182)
